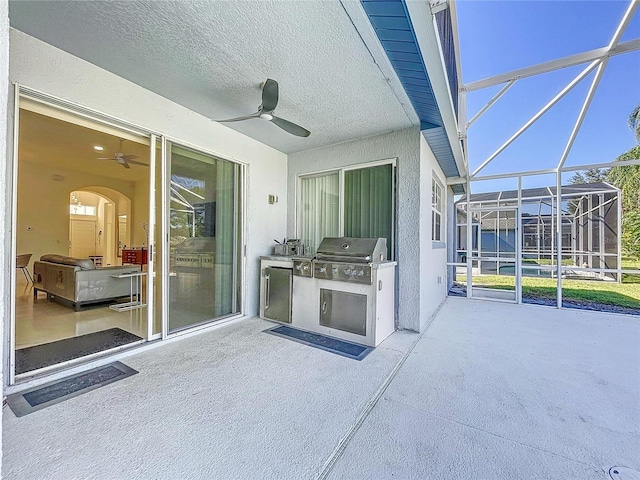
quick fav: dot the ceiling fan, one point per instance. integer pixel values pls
(265, 111)
(123, 159)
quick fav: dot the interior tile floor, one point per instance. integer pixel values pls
(42, 321)
(489, 391)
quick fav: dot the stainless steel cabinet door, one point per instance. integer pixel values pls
(343, 311)
(277, 284)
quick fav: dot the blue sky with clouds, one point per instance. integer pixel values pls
(500, 36)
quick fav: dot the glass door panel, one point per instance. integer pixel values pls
(204, 216)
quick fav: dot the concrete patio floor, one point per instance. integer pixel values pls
(490, 391)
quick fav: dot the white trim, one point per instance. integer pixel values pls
(14, 239)
(436, 182)
(205, 151)
(151, 244)
(164, 234)
(82, 112)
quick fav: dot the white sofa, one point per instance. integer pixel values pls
(76, 282)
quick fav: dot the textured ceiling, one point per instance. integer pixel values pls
(64, 146)
(212, 56)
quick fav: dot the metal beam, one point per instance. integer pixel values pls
(495, 98)
(583, 112)
(558, 64)
(541, 112)
(624, 23)
(618, 163)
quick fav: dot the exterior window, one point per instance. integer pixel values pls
(348, 202)
(320, 209)
(436, 211)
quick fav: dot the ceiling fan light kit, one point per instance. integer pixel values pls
(265, 111)
(121, 159)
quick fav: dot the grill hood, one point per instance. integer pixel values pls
(351, 249)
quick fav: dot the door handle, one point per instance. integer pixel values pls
(266, 292)
(324, 308)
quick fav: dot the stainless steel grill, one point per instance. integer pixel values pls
(348, 259)
(354, 250)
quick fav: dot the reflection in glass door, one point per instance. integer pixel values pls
(204, 225)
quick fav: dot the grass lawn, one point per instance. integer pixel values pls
(626, 294)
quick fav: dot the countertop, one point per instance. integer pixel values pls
(286, 257)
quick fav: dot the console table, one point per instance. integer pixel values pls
(135, 257)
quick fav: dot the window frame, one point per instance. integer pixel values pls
(341, 174)
(437, 188)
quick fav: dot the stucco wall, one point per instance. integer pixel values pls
(5, 233)
(433, 255)
(405, 146)
(40, 66)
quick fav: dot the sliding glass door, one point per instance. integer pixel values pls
(204, 234)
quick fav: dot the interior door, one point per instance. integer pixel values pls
(82, 238)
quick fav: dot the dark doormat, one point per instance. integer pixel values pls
(51, 393)
(39, 356)
(329, 344)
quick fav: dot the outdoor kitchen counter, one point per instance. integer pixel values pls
(341, 307)
(286, 257)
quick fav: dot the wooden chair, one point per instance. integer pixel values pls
(22, 262)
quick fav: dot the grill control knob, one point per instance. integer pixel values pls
(347, 271)
(322, 269)
(361, 273)
(334, 270)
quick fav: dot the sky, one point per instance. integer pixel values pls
(503, 35)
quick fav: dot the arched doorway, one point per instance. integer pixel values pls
(98, 224)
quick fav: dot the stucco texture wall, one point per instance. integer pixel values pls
(405, 146)
(433, 255)
(42, 67)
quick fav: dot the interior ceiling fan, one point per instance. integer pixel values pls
(123, 159)
(265, 111)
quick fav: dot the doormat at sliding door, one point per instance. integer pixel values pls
(40, 356)
(51, 393)
(329, 344)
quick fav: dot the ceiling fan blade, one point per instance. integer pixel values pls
(138, 163)
(238, 119)
(290, 127)
(122, 161)
(127, 157)
(269, 96)
(106, 158)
